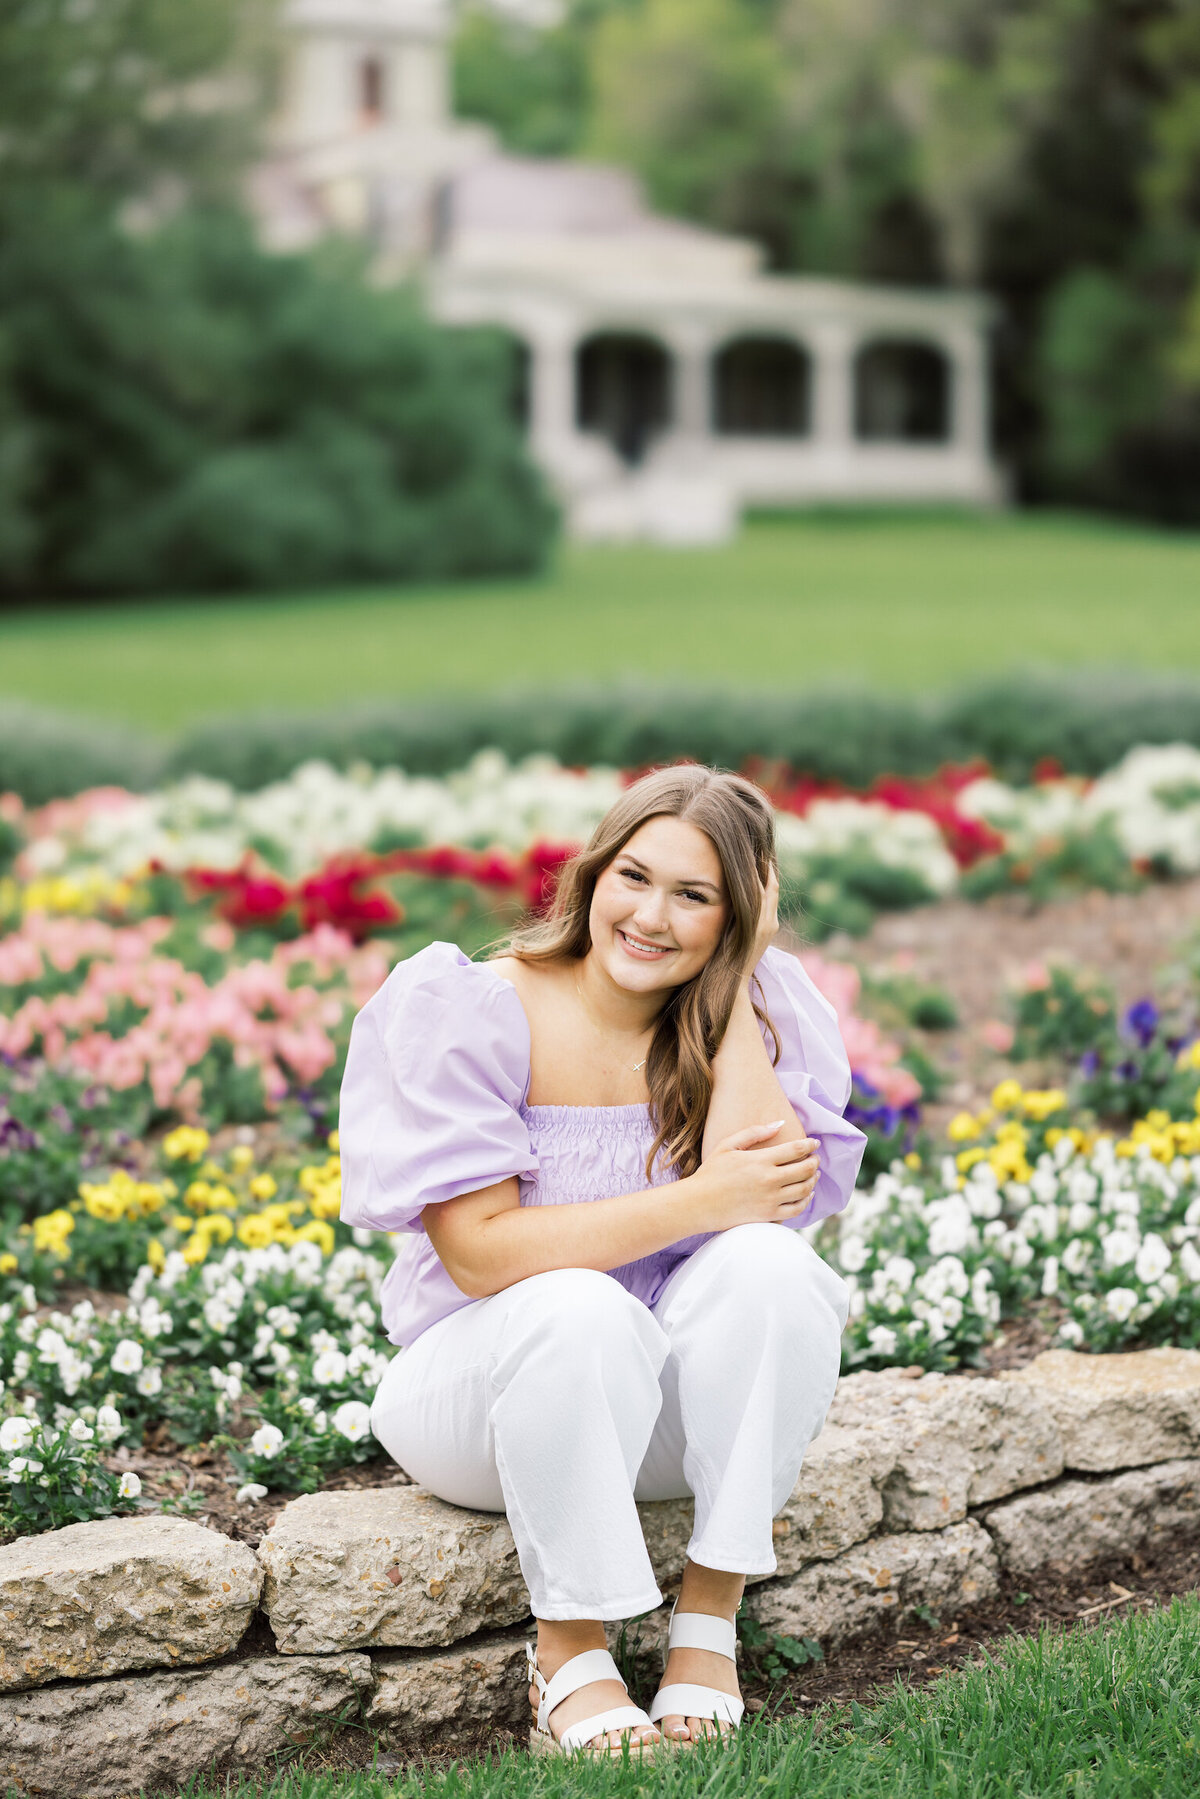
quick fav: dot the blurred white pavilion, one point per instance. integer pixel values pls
(666, 381)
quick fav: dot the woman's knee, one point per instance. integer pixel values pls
(570, 1316)
(771, 1270)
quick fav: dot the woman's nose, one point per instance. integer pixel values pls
(651, 914)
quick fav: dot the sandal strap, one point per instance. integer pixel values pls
(686, 1701)
(617, 1717)
(698, 1630)
(580, 1671)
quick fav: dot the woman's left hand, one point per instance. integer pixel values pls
(768, 919)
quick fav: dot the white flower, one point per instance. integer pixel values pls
(130, 1486)
(267, 1441)
(1189, 1261)
(16, 1433)
(1120, 1247)
(329, 1368)
(149, 1382)
(108, 1424)
(1153, 1258)
(1071, 1331)
(250, 1494)
(882, 1340)
(853, 1254)
(1050, 1277)
(127, 1357)
(1076, 1256)
(217, 1315)
(352, 1420)
(1120, 1303)
(81, 1431)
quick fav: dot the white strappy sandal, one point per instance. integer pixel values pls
(698, 1630)
(581, 1671)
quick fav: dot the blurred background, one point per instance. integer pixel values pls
(369, 350)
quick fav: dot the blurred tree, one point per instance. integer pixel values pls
(131, 98)
(196, 414)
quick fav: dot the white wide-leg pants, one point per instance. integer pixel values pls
(563, 1399)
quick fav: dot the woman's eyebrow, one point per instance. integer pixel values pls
(687, 881)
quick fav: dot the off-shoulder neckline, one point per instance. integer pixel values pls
(629, 1107)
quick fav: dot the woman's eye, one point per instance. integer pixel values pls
(688, 893)
(631, 874)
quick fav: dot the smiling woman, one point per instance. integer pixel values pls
(591, 1142)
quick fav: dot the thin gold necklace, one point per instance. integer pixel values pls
(634, 1067)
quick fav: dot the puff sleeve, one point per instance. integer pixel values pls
(814, 1071)
(436, 1072)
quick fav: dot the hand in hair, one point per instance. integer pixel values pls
(747, 1179)
(768, 920)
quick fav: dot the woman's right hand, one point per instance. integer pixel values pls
(748, 1179)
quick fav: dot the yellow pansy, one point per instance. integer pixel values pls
(1040, 1104)
(1006, 1096)
(51, 1230)
(255, 1232)
(196, 1194)
(196, 1249)
(263, 1186)
(216, 1227)
(912, 1159)
(156, 1255)
(8, 1262)
(102, 1202)
(962, 1128)
(185, 1144)
(967, 1158)
(318, 1232)
(326, 1202)
(223, 1198)
(333, 1142)
(1189, 1056)
(241, 1158)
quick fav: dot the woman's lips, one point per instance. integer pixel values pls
(641, 951)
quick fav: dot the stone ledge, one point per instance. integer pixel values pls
(1077, 1522)
(876, 1527)
(102, 1739)
(119, 1594)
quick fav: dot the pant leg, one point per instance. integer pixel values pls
(754, 1320)
(540, 1402)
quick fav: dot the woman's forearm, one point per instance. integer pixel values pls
(486, 1248)
(746, 1089)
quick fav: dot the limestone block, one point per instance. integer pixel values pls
(387, 1567)
(881, 1579)
(121, 1593)
(1075, 1522)
(958, 1442)
(1118, 1411)
(105, 1739)
(428, 1695)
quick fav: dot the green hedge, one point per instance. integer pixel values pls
(1013, 721)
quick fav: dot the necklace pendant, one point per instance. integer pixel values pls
(636, 1066)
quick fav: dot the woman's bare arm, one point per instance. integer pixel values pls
(487, 1240)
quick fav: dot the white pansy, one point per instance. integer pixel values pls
(329, 1368)
(1120, 1303)
(1120, 1247)
(882, 1340)
(1050, 1277)
(108, 1424)
(1076, 1257)
(127, 1357)
(130, 1485)
(149, 1382)
(1153, 1258)
(250, 1494)
(352, 1420)
(16, 1433)
(852, 1254)
(267, 1441)
(82, 1431)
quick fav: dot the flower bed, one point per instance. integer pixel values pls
(177, 982)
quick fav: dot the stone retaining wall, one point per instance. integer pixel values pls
(125, 1663)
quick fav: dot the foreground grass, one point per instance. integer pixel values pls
(1110, 1713)
(914, 601)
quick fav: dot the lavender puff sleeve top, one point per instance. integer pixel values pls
(433, 1106)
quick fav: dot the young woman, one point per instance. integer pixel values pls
(599, 1146)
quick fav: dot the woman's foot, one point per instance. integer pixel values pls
(699, 1667)
(558, 1643)
(715, 1594)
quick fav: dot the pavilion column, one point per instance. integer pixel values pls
(833, 346)
(692, 411)
(552, 387)
(970, 409)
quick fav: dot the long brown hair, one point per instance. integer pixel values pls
(739, 822)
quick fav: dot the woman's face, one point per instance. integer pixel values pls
(659, 908)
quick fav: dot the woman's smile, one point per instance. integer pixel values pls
(641, 949)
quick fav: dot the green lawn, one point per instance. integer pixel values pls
(915, 601)
(1110, 1713)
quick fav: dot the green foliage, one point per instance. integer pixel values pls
(1064, 1017)
(204, 415)
(1086, 724)
(55, 1478)
(772, 1655)
(530, 85)
(56, 1125)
